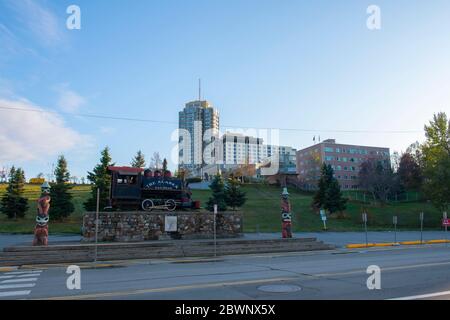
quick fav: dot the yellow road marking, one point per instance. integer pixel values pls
(7, 269)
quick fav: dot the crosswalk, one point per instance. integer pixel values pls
(18, 283)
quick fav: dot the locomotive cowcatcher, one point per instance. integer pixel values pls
(139, 189)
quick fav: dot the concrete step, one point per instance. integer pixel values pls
(71, 253)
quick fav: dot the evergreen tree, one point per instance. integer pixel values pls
(234, 196)
(164, 165)
(13, 204)
(334, 201)
(100, 179)
(325, 179)
(138, 160)
(62, 205)
(329, 195)
(218, 194)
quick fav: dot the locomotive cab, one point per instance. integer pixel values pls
(126, 185)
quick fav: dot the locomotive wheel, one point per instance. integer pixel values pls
(147, 205)
(171, 205)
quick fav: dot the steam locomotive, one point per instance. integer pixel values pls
(139, 189)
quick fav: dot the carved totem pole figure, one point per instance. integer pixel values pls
(286, 215)
(43, 207)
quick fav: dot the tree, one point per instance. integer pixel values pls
(379, 179)
(218, 194)
(325, 179)
(409, 172)
(138, 160)
(234, 196)
(334, 201)
(62, 205)
(155, 162)
(100, 179)
(436, 161)
(328, 195)
(13, 204)
(164, 165)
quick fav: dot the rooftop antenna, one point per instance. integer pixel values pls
(199, 89)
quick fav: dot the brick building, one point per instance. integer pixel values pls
(345, 160)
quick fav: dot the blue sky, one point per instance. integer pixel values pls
(310, 65)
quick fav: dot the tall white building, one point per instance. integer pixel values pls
(197, 120)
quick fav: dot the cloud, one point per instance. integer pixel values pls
(69, 100)
(41, 21)
(34, 135)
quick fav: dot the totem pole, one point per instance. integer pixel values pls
(43, 206)
(286, 215)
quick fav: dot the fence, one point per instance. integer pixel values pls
(367, 197)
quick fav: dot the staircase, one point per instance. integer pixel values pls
(74, 253)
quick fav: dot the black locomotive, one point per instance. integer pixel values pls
(136, 188)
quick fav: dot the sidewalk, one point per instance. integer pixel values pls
(338, 239)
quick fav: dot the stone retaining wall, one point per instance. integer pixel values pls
(141, 226)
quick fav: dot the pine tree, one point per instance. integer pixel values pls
(61, 206)
(218, 195)
(329, 195)
(13, 204)
(324, 181)
(234, 196)
(164, 165)
(100, 178)
(334, 201)
(138, 160)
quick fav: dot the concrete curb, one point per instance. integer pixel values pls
(391, 244)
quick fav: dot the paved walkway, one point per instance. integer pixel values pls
(338, 239)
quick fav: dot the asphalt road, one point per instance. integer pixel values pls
(406, 272)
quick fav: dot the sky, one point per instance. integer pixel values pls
(312, 66)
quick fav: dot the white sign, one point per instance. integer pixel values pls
(323, 215)
(170, 224)
(364, 217)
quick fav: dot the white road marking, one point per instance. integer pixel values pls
(22, 272)
(15, 286)
(424, 296)
(28, 275)
(14, 293)
(19, 280)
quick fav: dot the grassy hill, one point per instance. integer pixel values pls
(261, 212)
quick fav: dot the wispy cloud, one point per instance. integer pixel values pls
(69, 100)
(38, 19)
(29, 133)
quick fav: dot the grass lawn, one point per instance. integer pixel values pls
(261, 213)
(26, 225)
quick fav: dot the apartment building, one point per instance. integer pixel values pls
(345, 160)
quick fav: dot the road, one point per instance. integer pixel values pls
(406, 272)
